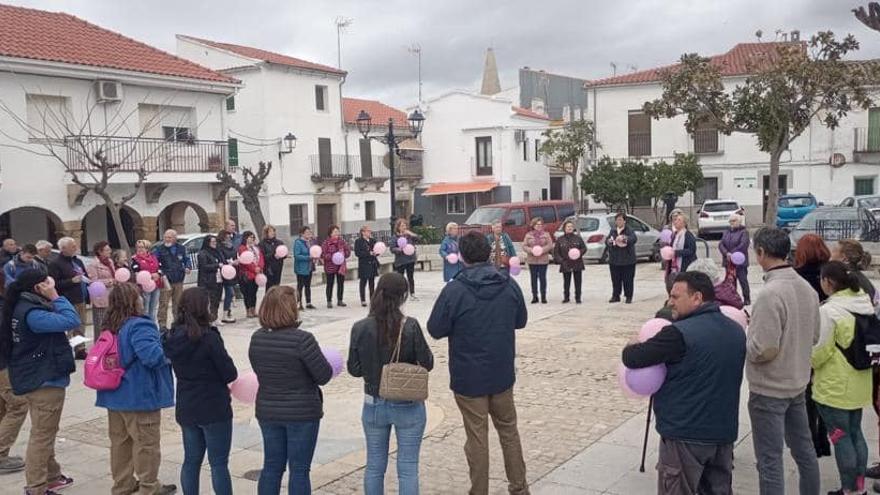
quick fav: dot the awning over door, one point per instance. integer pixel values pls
(442, 188)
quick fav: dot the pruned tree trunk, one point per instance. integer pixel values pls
(773, 190)
(575, 187)
(255, 210)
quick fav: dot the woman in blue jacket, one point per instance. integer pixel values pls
(502, 247)
(303, 266)
(448, 246)
(134, 409)
(40, 361)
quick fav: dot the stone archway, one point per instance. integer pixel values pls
(29, 224)
(184, 217)
(97, 225)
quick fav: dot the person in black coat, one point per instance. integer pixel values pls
(274, 266)
(290, 369)
(570, 268)
(368, 263)
(622, 259)
(203, 369)
(210, 260)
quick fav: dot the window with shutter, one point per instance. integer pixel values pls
(639, 134)
(232, 151)
(230, 103)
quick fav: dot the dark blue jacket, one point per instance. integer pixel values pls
(699, 401)
(479, 311)
(173, 261)
(448, 246)
(147, 384)
(41, 355)
(16, 266)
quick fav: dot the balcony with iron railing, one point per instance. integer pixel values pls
(482, 167)
(866, 140)
(639, 144)
(152, 155)
(707, 142)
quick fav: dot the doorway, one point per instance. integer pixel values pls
(556, 187)
(326, 218)
(783, 189)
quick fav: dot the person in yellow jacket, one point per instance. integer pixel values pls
(841, 391)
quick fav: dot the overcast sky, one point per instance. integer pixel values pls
(573, 37)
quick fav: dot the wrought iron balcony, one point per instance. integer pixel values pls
(153, 155)
(866, 140)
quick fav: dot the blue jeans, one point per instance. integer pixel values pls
(408, 419)
(151, 303)
(538, 276)
(287, 444)
(216, 438)
(228, 295)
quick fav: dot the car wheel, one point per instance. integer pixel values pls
(655, 253)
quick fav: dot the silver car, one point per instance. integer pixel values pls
(595, 228)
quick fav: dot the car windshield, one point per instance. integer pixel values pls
(809, 221)
(585, 224)
(872, 202)
(796, 202)
(485, 216)
(716, 207)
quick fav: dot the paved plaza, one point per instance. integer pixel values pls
(580, 434)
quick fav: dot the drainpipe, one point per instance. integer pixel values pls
(344, 127)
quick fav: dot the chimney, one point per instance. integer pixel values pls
(491, 84)
(795, 35)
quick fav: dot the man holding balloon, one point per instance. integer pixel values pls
(699, 361)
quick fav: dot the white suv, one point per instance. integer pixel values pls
(715, 216)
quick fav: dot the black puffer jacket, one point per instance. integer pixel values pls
(366, 356)
(290, 367)
(560, 253)
(368, 263)
(274, 266)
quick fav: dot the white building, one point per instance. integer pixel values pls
(733, 166)
(62, 78)
(325, 180)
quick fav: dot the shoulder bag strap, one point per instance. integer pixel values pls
(395, 356)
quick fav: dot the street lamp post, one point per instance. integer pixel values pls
(392, 140)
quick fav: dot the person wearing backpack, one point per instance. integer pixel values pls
(134, 408)
(203, 369)
(840, 389)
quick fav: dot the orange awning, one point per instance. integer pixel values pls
(458, 188)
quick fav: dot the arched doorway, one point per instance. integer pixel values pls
(30, 224)
(97, 225)
(184, 217)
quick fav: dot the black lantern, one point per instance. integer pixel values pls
(364, 123)
(416, 121)
(290, 140)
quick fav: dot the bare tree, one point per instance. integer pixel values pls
(249, 187)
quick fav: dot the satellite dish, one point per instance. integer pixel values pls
(837, 160)
(387, 160)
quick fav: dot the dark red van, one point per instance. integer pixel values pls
(517, 217)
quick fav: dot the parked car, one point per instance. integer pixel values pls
(517, 217)
(792, 208)
(192, 243)
(715, 216)
(834, 223)
(869, 202)
(595, 228)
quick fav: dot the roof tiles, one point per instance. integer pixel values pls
(267, 56)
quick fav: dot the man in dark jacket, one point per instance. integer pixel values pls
(24, 260)
(8, 251)
(174, 264)
(69, 273)
(697, 407)
(479, 311)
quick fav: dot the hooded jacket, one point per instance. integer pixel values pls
(479, 311)
(835, 382)
(203, 369)
(16, 266)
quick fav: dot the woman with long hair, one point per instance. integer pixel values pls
(204, 412)
(274, 265)
(304, 266)
(144, 260)
(368, 263)
(405, 264)
(570, 268)
(622, 259)
(134, 409)
(449, 245)
(372, 341)
(248, 272)
(537, 237)
(33, 343)
(227, 251)
(334, 243)
(210, 260)
(101, 270)
(851, 253)
(290, 369)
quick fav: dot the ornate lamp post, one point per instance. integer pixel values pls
(392, 140)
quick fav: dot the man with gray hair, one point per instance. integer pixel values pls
(44, 254)
(174, 264)
(69, 273)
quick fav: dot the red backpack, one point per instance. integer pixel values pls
(103, 369)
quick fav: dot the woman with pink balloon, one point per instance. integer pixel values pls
(569, 253)
(145, 266)
(734, 248)
(289, 368)
(335, 251)
(250, 265)
(503, 250)
(449, 252)
(404, 251)
(210, 275)
(304, 266)
(368, 262)
(621, 246)
(682, 251)
(538, 245)
(274, 252)
(101, 270)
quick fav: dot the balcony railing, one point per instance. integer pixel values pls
(330, 167)
(866, 140)
(639, 144)
(153, 155)
(707, 142)
(482, 167)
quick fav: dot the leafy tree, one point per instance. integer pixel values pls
(567, 147)
(249, 187)
(789, 88)
(682, 175)
(616, 184)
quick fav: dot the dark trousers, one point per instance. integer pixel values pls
(249, 291)
(685, 468)
(304, 288)
(566, 284)
(216, 439)
(215, 293)
(817, 426)
(742, 274)
(622, 278)
(363, 284)
(287, 444)
(273, 279)
(850, 448)
(538, 275)
(409, 270)
(339, 280)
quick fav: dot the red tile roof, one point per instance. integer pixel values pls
(267, 56)
(59, 37)
(525, 112)
(739, 61)
(379, 112)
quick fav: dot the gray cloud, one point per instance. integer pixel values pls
(575, 37)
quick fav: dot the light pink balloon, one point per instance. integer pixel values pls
(315, 251)
(621, 382)
(736, 315)
(227, 272)
(334, 357)
(97, 289)
(514, 261)
(537, 251)
(245, 388)
(143, 277)
(452, 258)
(515, 270)
(651, 328)
(409, 250)
(281, 252)
(261, 280)
(122, 275)
(246, 257)
(379, 248)
(574, 253)
(646, 381)
(667, 253)
(148, 287)
(338, 258)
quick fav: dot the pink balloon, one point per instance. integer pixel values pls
(97, 289)
(738, 258)
(401, 242)
(409, 250)
(227, 272)
(148, 287)
(666, 236)
(261, 280)
(334, 357)
(537, 251)
(514, 261)
(621, 381)
(338, 258)
(143, 277)
(736, 315)
(667, 253)
(315, 251)
(281, 251)
(651, 328)
(246, 257)
(574, 253)
(515, 270)
(122, 275)
(646, 381)
(379, 248)
(245, 388)
(452, 258)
